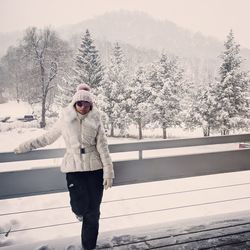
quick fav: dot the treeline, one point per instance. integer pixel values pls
(44, 69)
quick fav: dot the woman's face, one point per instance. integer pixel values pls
(83, 107)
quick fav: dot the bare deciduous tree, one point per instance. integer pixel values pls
(44, 53)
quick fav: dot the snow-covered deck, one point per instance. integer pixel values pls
(231, 231)
(215, 232)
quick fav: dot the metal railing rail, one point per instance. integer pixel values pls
(51, 180)
(128, 147)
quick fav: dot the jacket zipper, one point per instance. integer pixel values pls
(81, 143)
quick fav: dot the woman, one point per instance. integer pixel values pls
(87, 161)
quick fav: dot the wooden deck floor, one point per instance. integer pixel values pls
(219, 232)
(222, 232)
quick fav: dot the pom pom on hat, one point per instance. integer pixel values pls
(82, 94)
(83, 86)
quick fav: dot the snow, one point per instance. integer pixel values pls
(15, 109)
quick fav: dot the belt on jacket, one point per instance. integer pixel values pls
(88, 149)
(82, 150)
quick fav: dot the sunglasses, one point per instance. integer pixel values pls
(83, 104)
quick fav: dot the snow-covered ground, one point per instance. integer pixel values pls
(15, 109)
(123, 207)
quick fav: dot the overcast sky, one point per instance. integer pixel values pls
(211, 17)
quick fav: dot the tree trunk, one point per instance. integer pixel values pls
(164, 129)
(225, 132)
(112, 129)
(17, 93)
(164, 133)
(43, 122)
(206, 131)
(140, 129)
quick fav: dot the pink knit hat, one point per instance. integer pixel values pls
(82, 94)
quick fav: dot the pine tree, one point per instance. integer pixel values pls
(88, 68)
(115, 91)
(201, 113)
(167, 92)
(140, 108)
(232, 103)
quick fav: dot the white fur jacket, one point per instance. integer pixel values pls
(84, 132)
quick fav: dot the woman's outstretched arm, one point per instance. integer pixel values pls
(41, 141)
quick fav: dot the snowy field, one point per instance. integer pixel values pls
(123, 207)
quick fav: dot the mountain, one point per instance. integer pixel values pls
(143, 31)
(139, 32)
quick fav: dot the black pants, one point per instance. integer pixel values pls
(86, 190)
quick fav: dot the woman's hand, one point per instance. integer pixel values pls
(22, 148)
(107, 183)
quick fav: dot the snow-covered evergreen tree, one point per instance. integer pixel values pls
(167, 92)
(88, 67)
(201, 112)
(115, 91)
(232, 94)
(139, 101)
